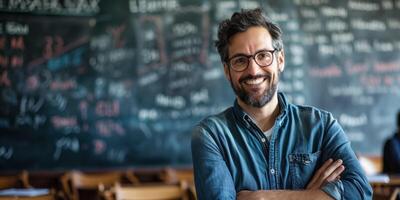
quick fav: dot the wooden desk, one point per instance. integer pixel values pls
(384, 180)
(385, 186)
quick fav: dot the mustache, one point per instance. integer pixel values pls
(249, 77)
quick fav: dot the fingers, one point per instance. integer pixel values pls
(323, 168)
(318, 174)
(243, 195)
(335, 174)
(328, 172)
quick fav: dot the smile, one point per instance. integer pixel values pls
(254, 81)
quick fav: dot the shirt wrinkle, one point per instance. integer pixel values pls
(253, 163)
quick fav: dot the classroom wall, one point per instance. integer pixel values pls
(103, 84)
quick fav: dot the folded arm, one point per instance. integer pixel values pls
(329, 172)
(353, 179)
(283, 194)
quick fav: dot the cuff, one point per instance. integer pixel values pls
(334, 189)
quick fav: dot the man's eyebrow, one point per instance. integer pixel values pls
(247, 55)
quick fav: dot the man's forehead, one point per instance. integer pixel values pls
(251, 40)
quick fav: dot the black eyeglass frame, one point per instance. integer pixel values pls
(254, 58)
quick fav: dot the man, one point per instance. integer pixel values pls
(391, 152)
(265, 147)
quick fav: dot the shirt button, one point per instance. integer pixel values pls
(262, 139)
(272, 171)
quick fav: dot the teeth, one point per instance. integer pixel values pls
(254, 81)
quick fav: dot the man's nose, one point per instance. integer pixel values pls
(253, 68)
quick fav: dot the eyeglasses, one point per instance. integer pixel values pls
(263, 58)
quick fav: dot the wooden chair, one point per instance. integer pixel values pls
(86, 185)
(19, 180)
(151, 192)
(386, 195)
(50, 180)
(192, 192)
(169, 176)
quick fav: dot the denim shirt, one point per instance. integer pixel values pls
(230, 153)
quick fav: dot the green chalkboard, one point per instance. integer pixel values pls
(102, 84)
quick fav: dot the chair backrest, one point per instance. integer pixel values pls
(92, 181)
(387, 194)
(165, 176)
(75, 181)
(43, 197)
(192, 191)
(19, 180)
(150, 192)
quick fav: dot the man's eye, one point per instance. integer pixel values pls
(262, 55)
(240, 61)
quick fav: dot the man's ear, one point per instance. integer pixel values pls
(226, 72)
(281, 60)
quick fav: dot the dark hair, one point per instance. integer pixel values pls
(240, 22)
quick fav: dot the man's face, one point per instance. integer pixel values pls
(255, 86)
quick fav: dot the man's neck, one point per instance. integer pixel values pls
(264, 116)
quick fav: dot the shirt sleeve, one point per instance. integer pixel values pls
(212, 177)
(353, 183)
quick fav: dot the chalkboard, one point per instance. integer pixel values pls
(101, 84)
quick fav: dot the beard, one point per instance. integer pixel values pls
(255, 100)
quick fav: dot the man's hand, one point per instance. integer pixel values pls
(282, 194)
(329, 171)
(252, 195)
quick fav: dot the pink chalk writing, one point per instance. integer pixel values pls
(371, 81)
(17, 61)
(48, 51)
(32, 83)
(60, 122)
(388, 80)
(108, 127)
(2, 42)
(387, 67)
(108, 109)
(83, 107)
(4, 80)
(3, 61)
(357, 69)
(99, 146)
(53, 46)
(63, 85)
(330, 71)
(17, 43)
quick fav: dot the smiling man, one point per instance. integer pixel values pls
(265, 147)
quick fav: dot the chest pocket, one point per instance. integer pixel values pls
(301, 168)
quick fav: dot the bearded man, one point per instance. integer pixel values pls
(264, 147)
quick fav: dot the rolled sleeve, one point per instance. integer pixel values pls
(334, 189)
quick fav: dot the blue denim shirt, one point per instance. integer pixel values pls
(230, 153)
